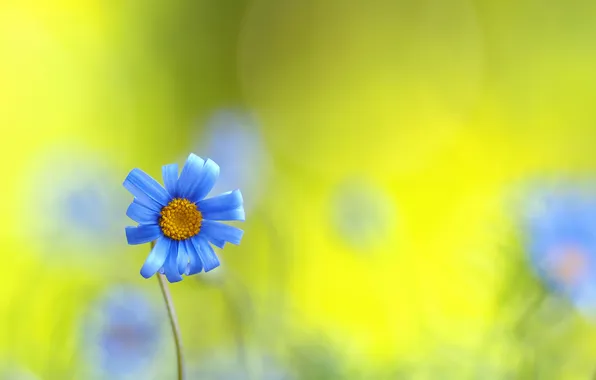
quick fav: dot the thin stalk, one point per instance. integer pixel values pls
(167, 296)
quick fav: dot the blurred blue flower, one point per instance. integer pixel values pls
(122, 334)
(233, 139)
(76, 209)
(362, 214)
(180, 221)
(560, 228)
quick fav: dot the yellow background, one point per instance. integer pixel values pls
(445, 108)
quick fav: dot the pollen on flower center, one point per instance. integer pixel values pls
(180, 219)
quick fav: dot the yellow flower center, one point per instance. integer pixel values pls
(180, 219)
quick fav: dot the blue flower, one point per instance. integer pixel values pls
(362, 215)
(561, 241)
(122, 334)
(181, 222)
(78, 212)
(233, 139)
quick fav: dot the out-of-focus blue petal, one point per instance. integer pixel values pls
(141, 214)
(585, 299)
(362, 214)
(157, 257)
(220, 231)
(235, 214)
(121, 335)
(192, 172)
(223, 202)
(170, 179)
(194, 260)
(204, 185)
(142, 234)
(233, 138)
(171, 266)
(560, 233)
(182, 262)
(206, 253)
(140, 183)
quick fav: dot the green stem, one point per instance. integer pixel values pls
(167, 296)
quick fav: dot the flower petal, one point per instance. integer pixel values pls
(190, 175)
(170, 179)
(144, 200)
(218, 243)
(206, 253)
(208, 178)
(235, 214)
(223, 202)
(182, 262)
(220, 231)
(142, 234)
(141, 214)
(157, 257)
(194, 260)
(171, 266)
(140, 183)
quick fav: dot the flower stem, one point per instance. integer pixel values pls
(167, 296)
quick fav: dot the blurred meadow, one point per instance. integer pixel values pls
(418, 178)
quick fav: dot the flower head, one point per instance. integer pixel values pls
(561, 237)
(363, 215)
(122, 333)
(233, 139)
(180, 221)
(76, 212)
